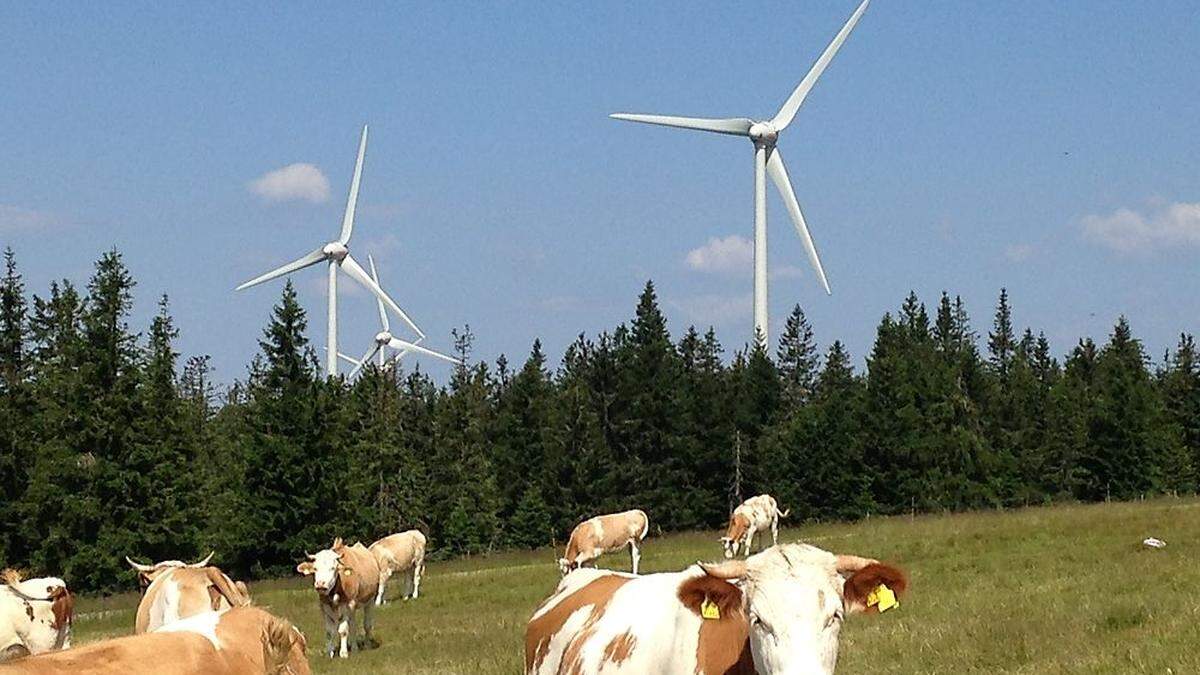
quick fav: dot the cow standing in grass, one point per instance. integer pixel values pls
(241, 641)
(603, 534)
(35, 615)
(345, 578)
(402, 552)
(175, 590)
(751, 517)
(776, 613)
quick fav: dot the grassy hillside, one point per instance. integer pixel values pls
(1067, 589)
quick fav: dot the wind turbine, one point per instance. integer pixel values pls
(384, 338)
(767, 160)
(337, 254)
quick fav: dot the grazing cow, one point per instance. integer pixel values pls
(175, 590)
(751, 517)
(35, 615)
(778, 612)
(345, 578)
(403, 552)
(604, 534)
(238, 641)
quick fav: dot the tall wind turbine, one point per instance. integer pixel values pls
(384, 339)
(337, 254)
(767, 160)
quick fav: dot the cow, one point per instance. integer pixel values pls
(238, 641)
(345, 579)
(403, 552)
(777, 612)
(35, 615)
(604, 534)
(751, 517)
(174, 590)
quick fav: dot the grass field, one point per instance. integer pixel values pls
(1067, 589)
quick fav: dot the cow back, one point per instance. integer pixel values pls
(362, 581)
(181, 592)
(400, 551)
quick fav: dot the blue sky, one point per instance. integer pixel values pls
(1046, 147)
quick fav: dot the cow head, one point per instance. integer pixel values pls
(738, 524)
(147, 573)
(565, 566)
(730, 546)
(325, 567)
(795, 598)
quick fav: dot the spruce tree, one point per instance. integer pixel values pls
(1181, 393)
(797, 359)
(16, 407)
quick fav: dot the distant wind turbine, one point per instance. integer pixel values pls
(384, 339)
(767, 160)
(337, 254)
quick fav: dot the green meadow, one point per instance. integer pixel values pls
(1065, 589)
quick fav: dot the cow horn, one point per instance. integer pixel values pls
(734, 569)
(204, 563)
(309, 555)
(848, 564)
(140, 567)
(337, 543)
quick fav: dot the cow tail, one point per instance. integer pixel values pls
(278, 638)
(232, 594)
(645, 526)
(783, 514)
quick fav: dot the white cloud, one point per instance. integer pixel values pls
(18, 219)
(294, 181)
(1019, 252)
(1127, 230)
(728, 254)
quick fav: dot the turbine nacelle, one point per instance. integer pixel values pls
(383, 337)
(335, 250)
(763, 133)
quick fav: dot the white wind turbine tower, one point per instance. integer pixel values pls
(337, 254)
(384, 339)
(767, 160)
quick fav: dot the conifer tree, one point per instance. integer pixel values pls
(797, 358)
(1181, 393)
(16, 407)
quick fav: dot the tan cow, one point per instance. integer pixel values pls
(239, 641)
(752, 516)
(175, 590)
(35, 615)
(603, 534)
(403, 552)
(779, 612)
(345, 579)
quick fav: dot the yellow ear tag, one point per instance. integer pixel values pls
(709, 610)
(347, 572)
(884, 597)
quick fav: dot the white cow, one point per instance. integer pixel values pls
(35, 615)
(345, 578)
(752, 516)
(403, 552)
(776, 613)
(603, 534)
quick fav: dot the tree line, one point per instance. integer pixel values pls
(111, 445)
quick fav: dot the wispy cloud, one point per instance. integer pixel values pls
(292, 182)
(1019, 252)
(715, 309)
(722, 254)
(17, 219)
(1127, 231)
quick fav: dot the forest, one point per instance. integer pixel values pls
(112, 443)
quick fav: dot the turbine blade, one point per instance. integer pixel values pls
(735, 126)
(379, 303)
(357, 273)
(348, 359)
(365, 360)
(784, 117)
(298, 264)
(352, 200)
(779, 175)
(397, 343)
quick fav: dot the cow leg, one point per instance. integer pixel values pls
(345, 621)
(369, 625)
(775, 530)
(418, 570)
(634, 554)
(331, 628)
(11, 652)
(384, 575)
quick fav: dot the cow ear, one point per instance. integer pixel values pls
(869, 580)
(337, 543)
(306, 568)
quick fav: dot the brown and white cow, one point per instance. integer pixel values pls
(604, 534)
(345, 578)
(776, 613)
(235, 642)
(175, 590)
(752, 516)
(35, 615)
(402, 552)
